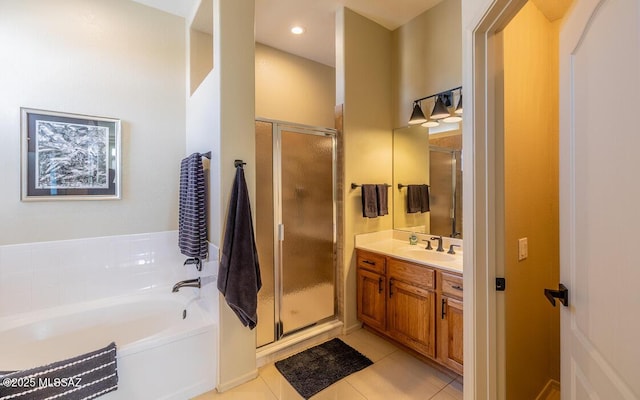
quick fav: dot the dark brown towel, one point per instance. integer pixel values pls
(369, 201)
(239, 271)
(383, 202)
(424, 201)
(414, 199)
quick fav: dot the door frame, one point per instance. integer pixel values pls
(483, 182)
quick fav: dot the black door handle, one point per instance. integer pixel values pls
(561, 294)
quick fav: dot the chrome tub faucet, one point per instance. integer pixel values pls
(188, 283)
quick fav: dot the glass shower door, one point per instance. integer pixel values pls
(307, 218)
(441, 190)
(295, 225)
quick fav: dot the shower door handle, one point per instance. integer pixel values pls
(281, 232)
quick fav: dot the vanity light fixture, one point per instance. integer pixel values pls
(439, 109)
(459, 107)
(452, 119)
(417, 116)
(431, 124)
(440, 112)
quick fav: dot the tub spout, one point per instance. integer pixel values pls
(187, 283)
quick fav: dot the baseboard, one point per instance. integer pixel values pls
(223, 387)
(352, 328)
(191, 391)
(548, 389)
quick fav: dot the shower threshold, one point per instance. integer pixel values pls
(298, 341)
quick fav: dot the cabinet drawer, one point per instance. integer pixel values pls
(451, 285)
(413, 274)
(371, 261)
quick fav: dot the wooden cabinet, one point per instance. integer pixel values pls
(411, 306)
(450, 332)
(410, 315)
(372, 262)
(416, 305)
(372, 289)
(372, 295)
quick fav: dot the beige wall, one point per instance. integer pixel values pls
(427, 57)
(364, 68)
(531, 201)
(234, 57)
(201, 57)
(220, 118)
(294, 89)
(410, 167)
(110, 58)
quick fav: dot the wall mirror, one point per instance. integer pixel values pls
(428, 156)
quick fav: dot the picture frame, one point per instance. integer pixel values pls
(68, 156)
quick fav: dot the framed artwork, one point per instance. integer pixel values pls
(69, 156)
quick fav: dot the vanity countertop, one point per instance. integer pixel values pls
(400, 248)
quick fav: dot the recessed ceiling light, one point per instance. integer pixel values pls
(297, 30)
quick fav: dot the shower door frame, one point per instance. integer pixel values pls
(278, 226)
(455, 159)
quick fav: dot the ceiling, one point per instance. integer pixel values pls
(274, 19)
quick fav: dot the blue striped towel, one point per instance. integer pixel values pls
(192, 217)
(88, 376)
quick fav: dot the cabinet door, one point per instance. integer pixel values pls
(371, 261)
(450, 333)
(411, 318)
(371, 292)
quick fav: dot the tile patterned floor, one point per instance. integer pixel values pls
(395, 375)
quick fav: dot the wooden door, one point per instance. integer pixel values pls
(599, 198)
(371, 292)
(411, 318)
(450, 334)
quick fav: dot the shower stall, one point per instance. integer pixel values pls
(295, 227)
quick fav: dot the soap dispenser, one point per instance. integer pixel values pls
(413, 239)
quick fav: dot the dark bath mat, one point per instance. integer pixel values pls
(319, 367)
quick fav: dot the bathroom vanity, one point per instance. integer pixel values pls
(412, 296)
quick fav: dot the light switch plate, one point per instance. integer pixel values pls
(523, 249)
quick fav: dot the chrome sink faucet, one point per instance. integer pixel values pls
(439, 239)
(188, 283)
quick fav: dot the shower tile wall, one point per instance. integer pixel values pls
(35, 276)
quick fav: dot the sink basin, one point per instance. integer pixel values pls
(419, 251)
